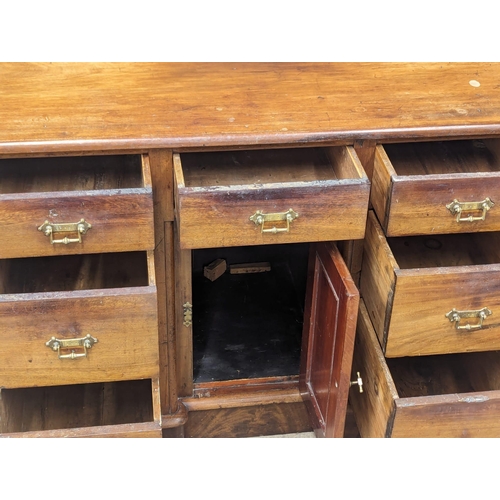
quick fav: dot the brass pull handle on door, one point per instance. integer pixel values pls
(80, 227)
(264, 220)
(72, 345)
(456, 208)
(455, 316)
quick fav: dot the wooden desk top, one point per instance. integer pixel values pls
(80, 107)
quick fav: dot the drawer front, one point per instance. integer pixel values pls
(224, 218)
(434, 203)
(445, 311)
(142, 430)
(270, 196)
(431, 397)
(123, 321)
(120, 221)
(73, 205)
(429, 310)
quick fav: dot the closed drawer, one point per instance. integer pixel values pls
(91, 204)
(432, 294)
(437, 187)
(455, 395)
(270, 196)
(48, 302)
(112, 409)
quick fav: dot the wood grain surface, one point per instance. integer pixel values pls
(413, 184)
(216, 194)
(49, 107)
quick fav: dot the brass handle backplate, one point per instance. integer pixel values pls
(267, 222)
(77, 347)
(79, 228)
(457, 208)
(481, 314)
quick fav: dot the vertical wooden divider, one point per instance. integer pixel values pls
(162, 179)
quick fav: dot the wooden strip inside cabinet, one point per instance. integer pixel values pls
(283, 335)
(78, 313)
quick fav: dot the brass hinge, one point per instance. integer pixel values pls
(188, 314)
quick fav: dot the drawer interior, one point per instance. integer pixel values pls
(445, 374)
(444, 157)
(73, 406)
(249, 325)
(79, 173)
(270, 166)
(74, 272)
(446, 250)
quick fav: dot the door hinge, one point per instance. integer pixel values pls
(188, 314)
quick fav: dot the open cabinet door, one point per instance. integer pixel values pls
(330, 317)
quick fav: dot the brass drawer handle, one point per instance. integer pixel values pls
(456, 208)
(79, 228)
(456, 316)
(261, 219)
(84, 344)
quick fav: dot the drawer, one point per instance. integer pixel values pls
(51, 301)
(453, 395)
(113, 409)
(432, 294)
(437, 187)
(70, 205)
(270, 196)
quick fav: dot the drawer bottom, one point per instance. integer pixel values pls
(112, 409)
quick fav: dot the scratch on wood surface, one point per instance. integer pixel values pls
(474, 399)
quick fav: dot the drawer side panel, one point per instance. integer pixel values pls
(374, 407)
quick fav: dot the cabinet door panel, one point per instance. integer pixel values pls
(329, 327)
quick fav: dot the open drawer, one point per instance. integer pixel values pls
(432, 294)
(235, 198)
(454, 395)
(437, 187)
(113, 409)
(77, 319)
(70, 205)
